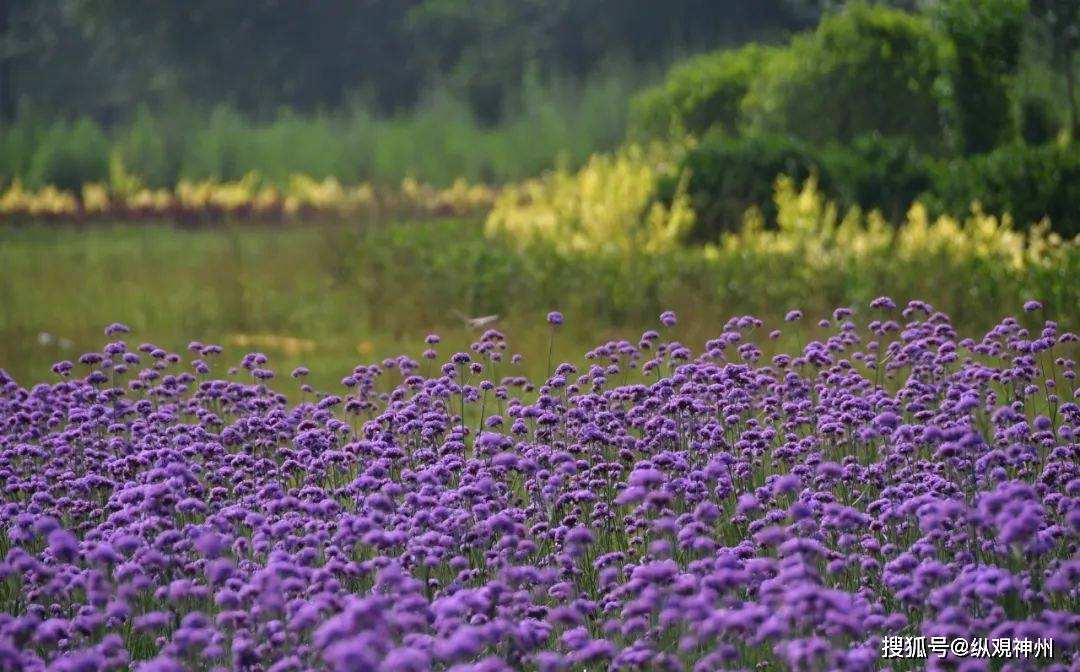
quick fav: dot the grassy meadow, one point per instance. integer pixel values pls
(331, 296)
(325, 296)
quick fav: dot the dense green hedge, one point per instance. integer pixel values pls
(885, 107)
(726, 176)
(943, 79)
(986, 36)
(867, 69)
(1027, 182)
(874, 172)
(704, 92)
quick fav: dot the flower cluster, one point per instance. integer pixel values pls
(648, 508)
(250, 198)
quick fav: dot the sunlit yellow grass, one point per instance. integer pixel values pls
(610, 206)
(250, 196)
(811, 226)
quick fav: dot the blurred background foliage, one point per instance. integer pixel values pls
(105, 58)
(499, 90)
(811, 152)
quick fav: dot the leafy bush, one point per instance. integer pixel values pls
(609, 205)
(1039, 120)
(17, 144)
(702, 93)
(820, 231)
(153, 147)
(1029, 183)
(888, 174)
(944, 79)
(726, 176)
(605, 209)
(986, 37)
(67, 155)
(866, 69)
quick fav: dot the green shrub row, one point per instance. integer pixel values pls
(1027, 182)
(438, 142)
(946, 79)
(726, 176)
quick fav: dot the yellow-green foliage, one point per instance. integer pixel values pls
(248, 197)
(611, 207)
(608, 206)
(812, 228)
(43, 202)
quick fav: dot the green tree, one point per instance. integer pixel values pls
(866, 69)
(704, 92)
(262, 54)
(487, 47)
(1061, 18)
(986, 35)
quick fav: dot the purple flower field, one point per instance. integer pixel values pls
(651, 507)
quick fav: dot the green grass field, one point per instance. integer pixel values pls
(312, 296)
(331, 297)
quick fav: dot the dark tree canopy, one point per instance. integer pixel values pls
(107, 57)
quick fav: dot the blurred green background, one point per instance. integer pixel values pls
(332, 296)
(496, 90)
(948, 103)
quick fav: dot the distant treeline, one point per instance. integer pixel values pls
(439, 140)
(949, 102)
(106, 58)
